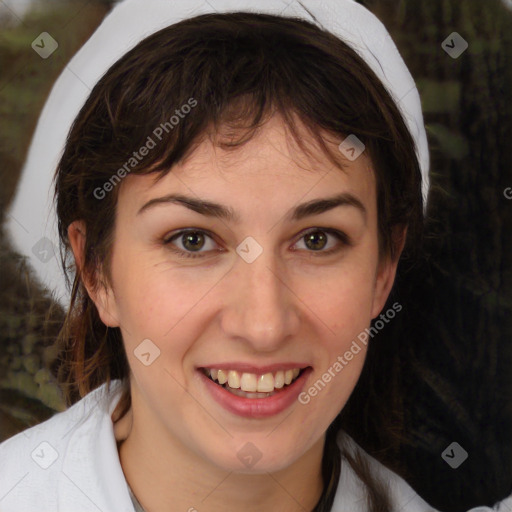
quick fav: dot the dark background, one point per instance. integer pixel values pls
(454, 337)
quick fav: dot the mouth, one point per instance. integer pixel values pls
(255, 395)
(252, 385)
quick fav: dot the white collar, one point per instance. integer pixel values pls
(91, 461)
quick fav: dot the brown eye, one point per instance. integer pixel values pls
(320, 241)
(316, 240)
(193, 241)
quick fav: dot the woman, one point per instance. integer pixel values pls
(236, 192)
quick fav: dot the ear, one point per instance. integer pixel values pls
(386, 271)
(98, 290)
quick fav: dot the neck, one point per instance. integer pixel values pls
(166, 477)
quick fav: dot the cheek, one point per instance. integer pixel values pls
(343, 304)
(341, 297)
(145, 290)
(163, 305)
(326, 395)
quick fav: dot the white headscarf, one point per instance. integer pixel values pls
(31, 222)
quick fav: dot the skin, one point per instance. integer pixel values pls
(291, 304)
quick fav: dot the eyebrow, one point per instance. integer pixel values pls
(211, 209)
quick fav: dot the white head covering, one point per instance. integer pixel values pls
(31, 220)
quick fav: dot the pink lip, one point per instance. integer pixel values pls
(256, 407)
(258, 370)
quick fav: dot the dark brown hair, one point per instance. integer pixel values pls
(240, 68)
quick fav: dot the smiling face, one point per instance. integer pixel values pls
(269, 285)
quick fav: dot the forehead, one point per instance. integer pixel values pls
(268, 169)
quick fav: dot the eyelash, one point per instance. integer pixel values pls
(342, 237)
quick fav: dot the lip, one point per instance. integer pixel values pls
(256, 407)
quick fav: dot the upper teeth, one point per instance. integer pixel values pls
(265, 383)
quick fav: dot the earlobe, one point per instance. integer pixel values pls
(383, 284)
(387, 271)
(100, 294)
(76, 237)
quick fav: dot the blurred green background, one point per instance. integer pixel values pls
(451, 350)
(29, 319)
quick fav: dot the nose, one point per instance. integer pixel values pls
(261, 309)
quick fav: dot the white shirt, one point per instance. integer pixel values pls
(70, 463)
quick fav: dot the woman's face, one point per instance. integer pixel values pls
(260, 297)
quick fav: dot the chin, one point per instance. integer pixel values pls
(255, 455)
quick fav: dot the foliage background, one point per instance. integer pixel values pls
(451, 348)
